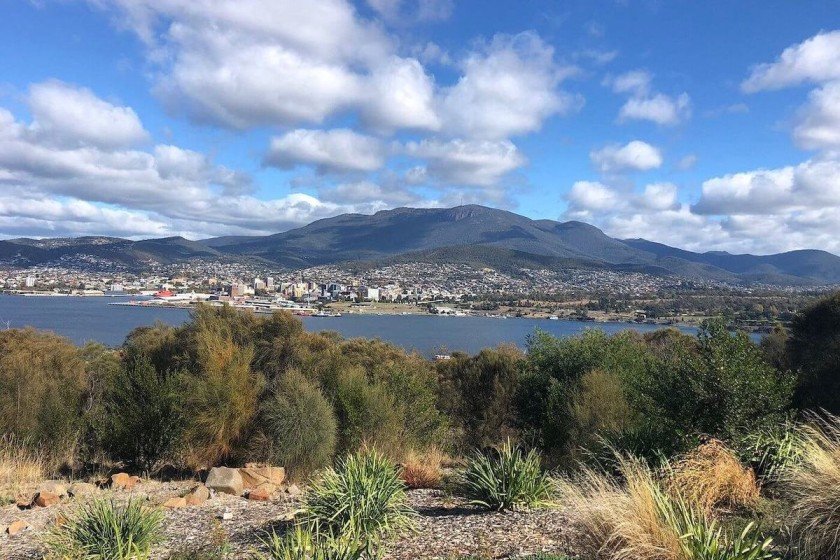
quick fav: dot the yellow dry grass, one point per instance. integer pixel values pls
(813, 485)
(423, 469)
(615, 521)
(19, 464)
(712, 477)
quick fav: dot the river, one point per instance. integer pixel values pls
(83, 319)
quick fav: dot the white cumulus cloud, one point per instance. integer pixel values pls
(633, 156)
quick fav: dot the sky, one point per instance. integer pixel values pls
(708, 125)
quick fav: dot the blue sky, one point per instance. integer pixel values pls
(705, 125)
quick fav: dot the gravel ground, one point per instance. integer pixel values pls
(446, 528)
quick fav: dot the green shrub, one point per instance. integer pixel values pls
(478, 392)
(363, 500)
(368, 414)
(298, 425)
(505, 479)
(220, 398)
(43, 390)
(814, 350)
(104, 530)
(143, 420)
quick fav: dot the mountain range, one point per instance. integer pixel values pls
(465, 234)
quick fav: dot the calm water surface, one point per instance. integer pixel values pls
(84, 319)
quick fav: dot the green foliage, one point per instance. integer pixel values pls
(478, 393)
(368, 414)
(221, 397)
(362, 500)
(306, 543)
(706, 541)
(814, 350)
(722, 387)
(773, 451)
(105, 530)
(143, 421)
(298, 426)
(505, 479)
(43, 389)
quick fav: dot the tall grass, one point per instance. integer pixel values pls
(104, 530)
(813, 485)
(506, 478)
(633, 517)
(362, 500)
(20, 463)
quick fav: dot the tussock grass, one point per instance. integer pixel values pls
(711, 476)
(104, 530)
(506, 478)
(813, 485)
(20, 463)
(629, 521)
(633, 517)
(423, 469)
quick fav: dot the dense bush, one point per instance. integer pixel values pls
(505, 478)
(220, 397)
(44, 386)
(297, 426)
(143, 420)
(814, 350)
(105, 530)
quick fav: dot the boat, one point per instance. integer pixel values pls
(554, 318)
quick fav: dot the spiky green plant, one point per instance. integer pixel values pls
(506, 478)
(104, 530)
(362, 500)
(707, 541)
(305, 542)
(772, 452)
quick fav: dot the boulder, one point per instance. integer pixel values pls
(294, 490)
(254, 474)
(16, 527)
(54, 487)
(123, 481)
(259, 495)
(82, 489)
(225, 480)
(175, 503)
(24, 501)
(197, 495)
(46, 499)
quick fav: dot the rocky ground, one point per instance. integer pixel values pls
(446, 527)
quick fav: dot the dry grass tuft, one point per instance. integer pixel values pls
(20, 464)
(622, 521)
(423, 470)
(712, 477)
(813, 485)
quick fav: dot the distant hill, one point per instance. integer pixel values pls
(472, 234)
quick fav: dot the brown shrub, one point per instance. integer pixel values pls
(423, 470)
(712, 477)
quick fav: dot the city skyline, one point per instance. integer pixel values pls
(700, 126)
